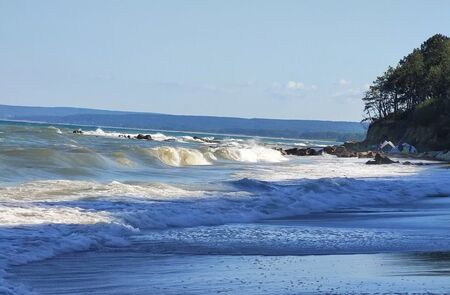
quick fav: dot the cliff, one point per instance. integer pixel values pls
(427, 127)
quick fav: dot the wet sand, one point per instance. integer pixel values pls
(137, 273)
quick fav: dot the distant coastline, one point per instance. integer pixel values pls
(273, 128)
(155, 130)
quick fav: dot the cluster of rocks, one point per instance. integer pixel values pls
(145, 137)
(338, 151)
(380, 159)
(342, 152)
(301, 152)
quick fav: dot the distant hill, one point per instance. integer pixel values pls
(312, 129)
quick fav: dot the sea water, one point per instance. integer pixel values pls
(185, 193)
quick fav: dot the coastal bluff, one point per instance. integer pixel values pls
(429, 136)
(410, 102)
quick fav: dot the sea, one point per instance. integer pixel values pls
(100, 212)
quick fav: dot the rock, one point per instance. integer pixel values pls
(343, 152)
(340, 151)
(380, 160)
(330, 150)
(78, 131)
(302, 152)
(295, 152)
(141, 136)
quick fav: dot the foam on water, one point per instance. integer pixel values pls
(158, 136)
(248, 154)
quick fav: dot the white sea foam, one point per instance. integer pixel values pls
(70, 190)
(248, 154)
(111, 134)
(328, 166)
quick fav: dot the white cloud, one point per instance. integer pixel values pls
(295, 85)
(290, 89)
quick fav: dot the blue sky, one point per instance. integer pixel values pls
(269, 59)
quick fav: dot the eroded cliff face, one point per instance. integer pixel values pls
(434, 136)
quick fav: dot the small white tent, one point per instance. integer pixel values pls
(387, 146)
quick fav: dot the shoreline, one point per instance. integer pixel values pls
(218, 274)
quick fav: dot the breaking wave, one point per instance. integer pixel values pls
(78, 159)
(176, 156)
(172, 156)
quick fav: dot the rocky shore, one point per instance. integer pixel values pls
(359, 150)
(347, 150)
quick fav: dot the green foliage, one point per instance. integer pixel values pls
(425, 112)
(419, 84)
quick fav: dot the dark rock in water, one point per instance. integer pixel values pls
(340, 151)
(343, 152)
(141, 136)
(78, 131)
(294, 151)
(380, 160)
(330, 150)
(302, 152)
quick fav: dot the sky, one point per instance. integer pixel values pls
(241, 58)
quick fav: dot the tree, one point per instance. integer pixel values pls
(421, 76)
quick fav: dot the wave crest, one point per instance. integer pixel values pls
(177, 157)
